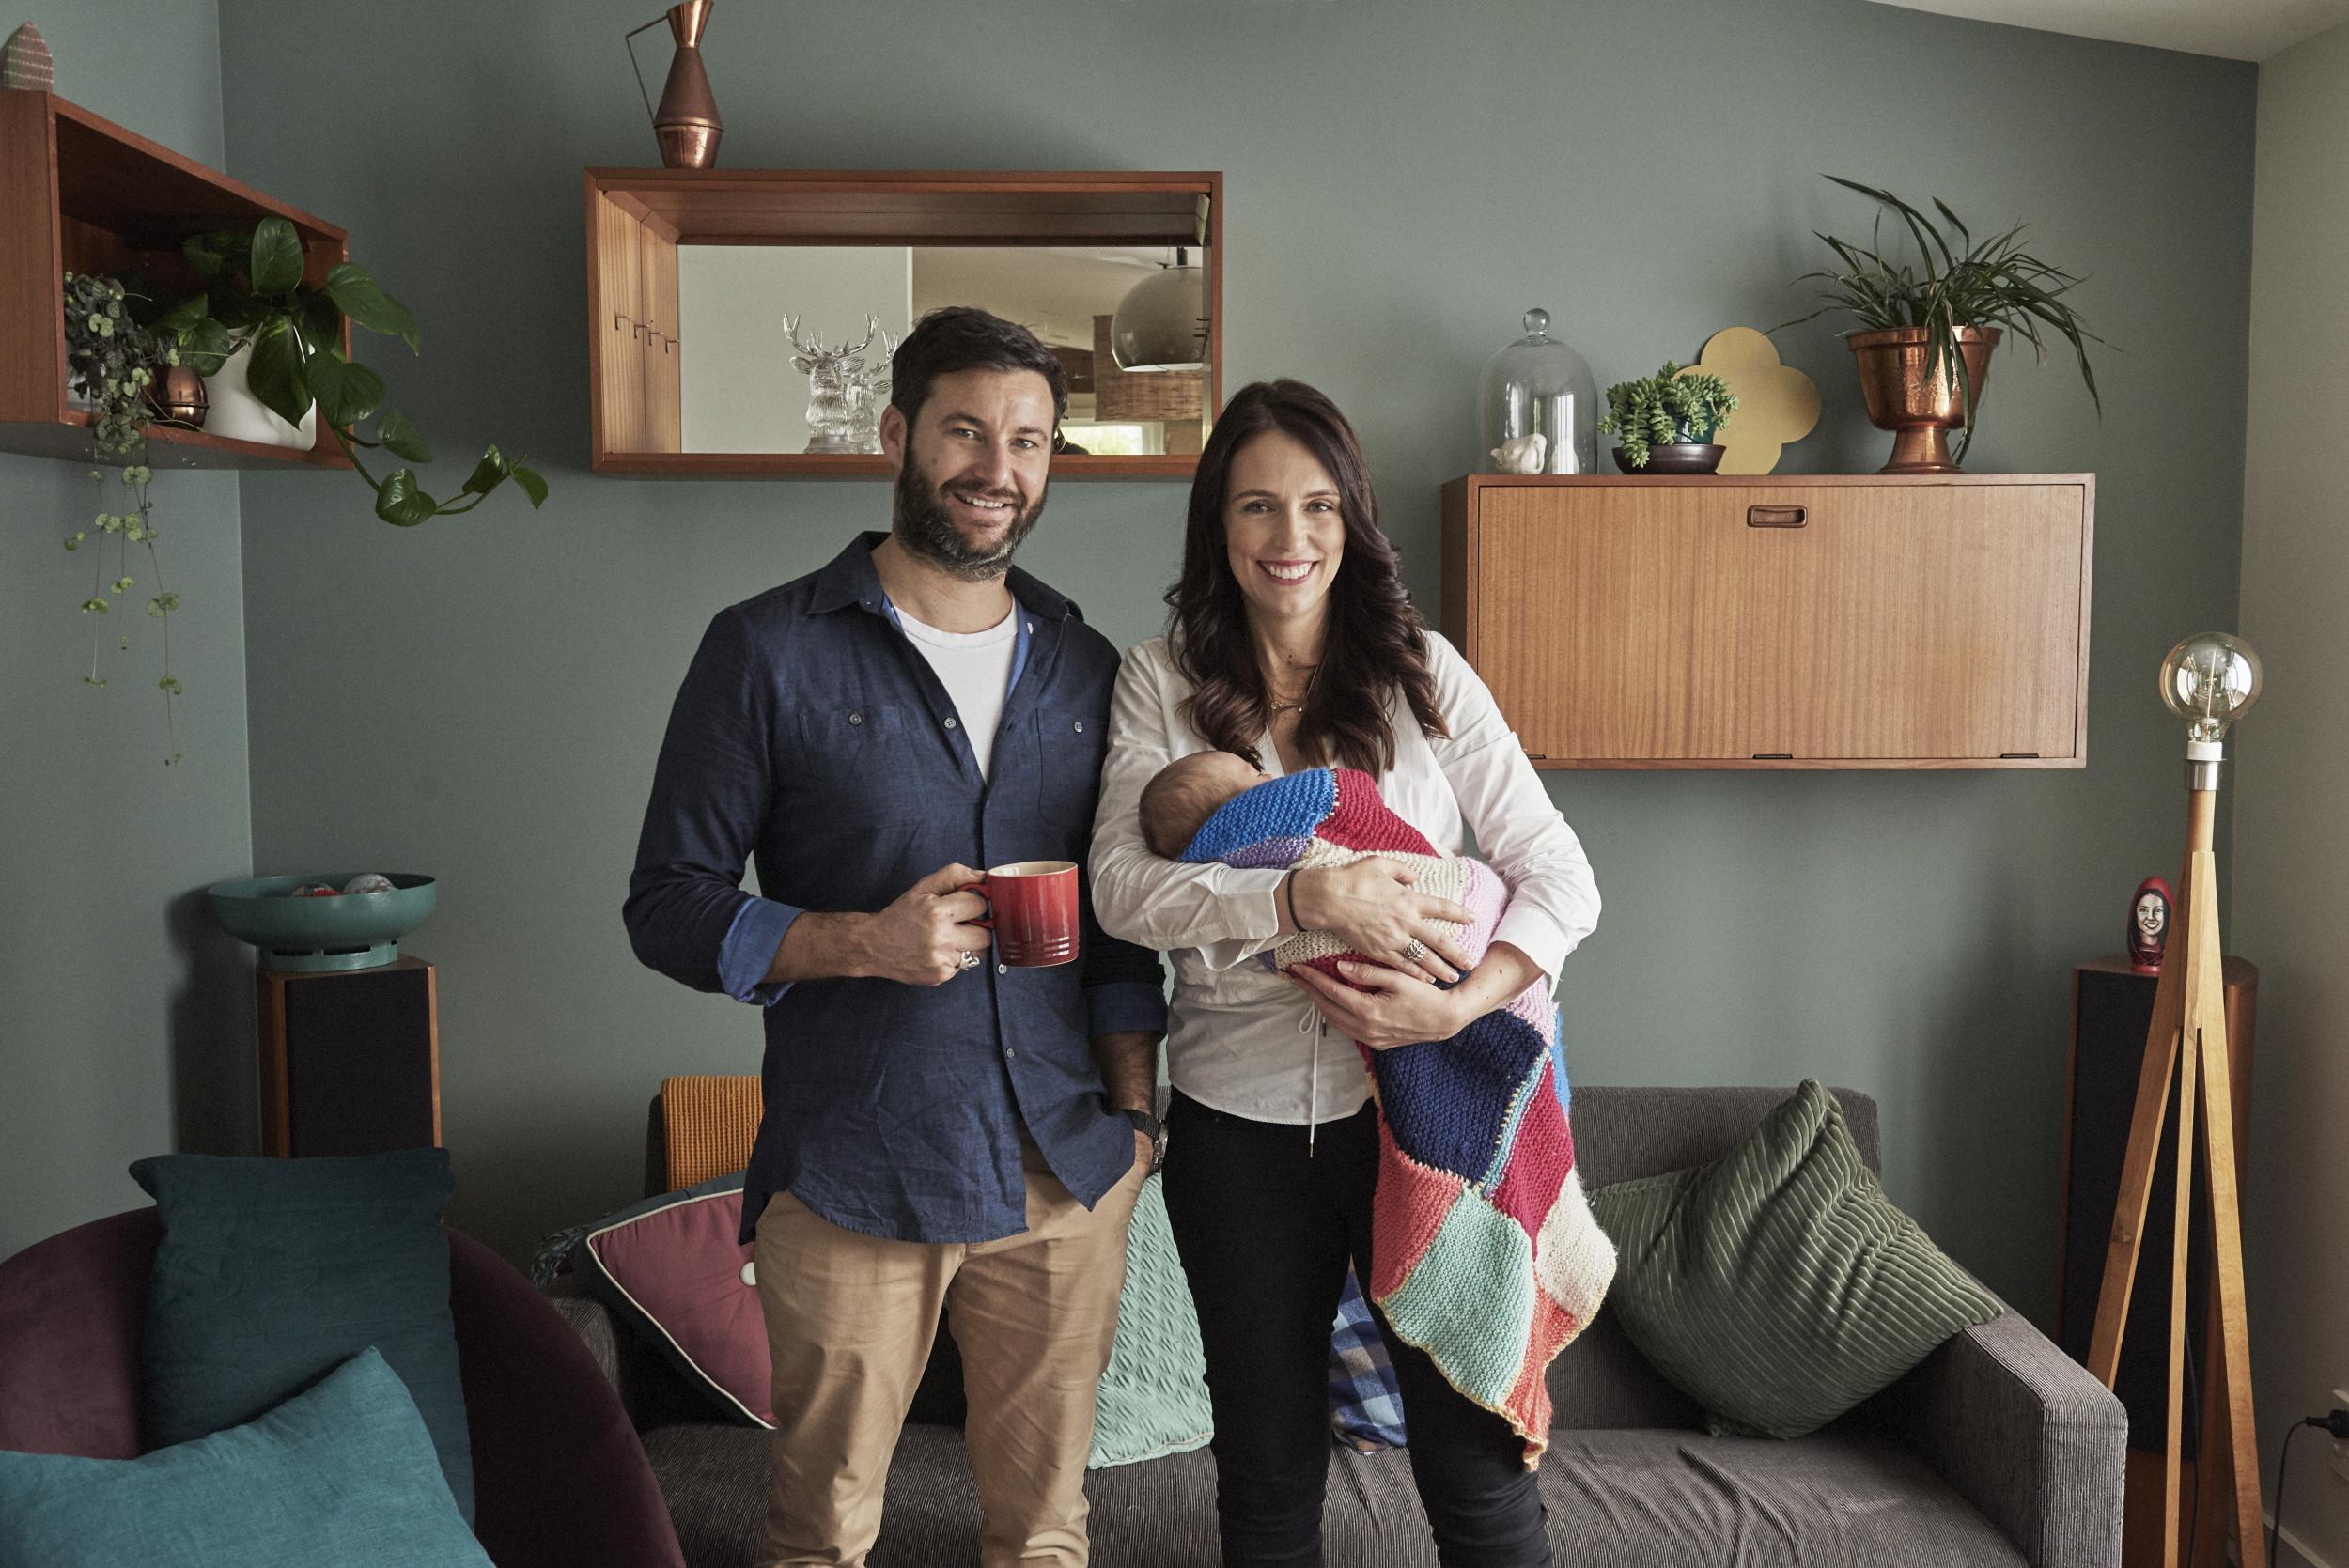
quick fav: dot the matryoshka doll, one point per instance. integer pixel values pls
(2149, 924)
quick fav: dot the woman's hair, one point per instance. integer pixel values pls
(1373, 642)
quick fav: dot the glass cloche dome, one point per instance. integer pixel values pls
(1538, 386)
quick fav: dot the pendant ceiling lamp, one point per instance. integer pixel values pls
(1161, 323)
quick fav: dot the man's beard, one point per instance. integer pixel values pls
(921, 524)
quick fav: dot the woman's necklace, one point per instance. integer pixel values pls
(1276, 708)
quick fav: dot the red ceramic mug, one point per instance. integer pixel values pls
(1034, 912)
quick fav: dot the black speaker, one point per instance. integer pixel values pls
(349, 1060)
(2112, 1006)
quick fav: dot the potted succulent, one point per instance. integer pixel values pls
(288, 336)
(1926, 332)
(111, 362)
(1664, 422)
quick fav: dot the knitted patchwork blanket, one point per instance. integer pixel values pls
(1484, 1252)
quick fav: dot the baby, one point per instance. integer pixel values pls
(1488, 1258)
(1180, 797)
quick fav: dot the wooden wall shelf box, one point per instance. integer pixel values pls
(81, 194)
(637, 218)
(1792, 621)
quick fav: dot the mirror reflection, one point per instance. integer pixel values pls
(784, 348)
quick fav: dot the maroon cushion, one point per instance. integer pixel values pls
(671, 1269)
(72, 1309)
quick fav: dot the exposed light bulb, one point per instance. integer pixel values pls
(2209, 680)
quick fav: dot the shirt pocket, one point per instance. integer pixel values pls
(855, 766)
(1069, 750)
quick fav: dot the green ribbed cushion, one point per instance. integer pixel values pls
(1153, 1399)
(344, 1474)
(1777, 1286)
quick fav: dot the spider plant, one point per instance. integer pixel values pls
(1958, 281)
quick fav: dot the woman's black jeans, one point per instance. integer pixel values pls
(1265, 1233)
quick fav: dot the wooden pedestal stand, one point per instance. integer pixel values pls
(2187, 1041)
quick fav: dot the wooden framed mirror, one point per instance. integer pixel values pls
(691, 274)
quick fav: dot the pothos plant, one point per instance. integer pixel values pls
(1666, 407)
(110, 358)
(255, 299)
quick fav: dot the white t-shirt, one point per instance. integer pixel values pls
(1239, 1038)
(975, 667)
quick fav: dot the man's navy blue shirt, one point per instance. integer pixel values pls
(812, 739)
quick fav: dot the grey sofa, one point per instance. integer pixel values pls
(1997, 1449)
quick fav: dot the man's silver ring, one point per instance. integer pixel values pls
(1415, 951)
(969, 959)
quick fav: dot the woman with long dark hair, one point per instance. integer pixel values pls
(1291, 642)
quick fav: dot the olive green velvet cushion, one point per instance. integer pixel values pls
(1777, 1286)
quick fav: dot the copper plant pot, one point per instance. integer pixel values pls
(177, 394)
(1911, 392)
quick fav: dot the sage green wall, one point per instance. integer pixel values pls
(2291, 785)
(125, 1025)
(482, 698)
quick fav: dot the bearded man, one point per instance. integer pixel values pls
(941, 1131)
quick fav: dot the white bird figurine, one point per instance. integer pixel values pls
(1521, 454)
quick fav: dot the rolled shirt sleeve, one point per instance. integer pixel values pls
(1554, 897)
(749, 951)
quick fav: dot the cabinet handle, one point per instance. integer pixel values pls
(1775, 517)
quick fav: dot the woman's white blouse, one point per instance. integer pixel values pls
(1239, 1038)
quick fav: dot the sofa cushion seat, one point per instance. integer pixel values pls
(1836, 1500)
(1627, 1498)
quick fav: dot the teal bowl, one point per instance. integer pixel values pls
(350, 931)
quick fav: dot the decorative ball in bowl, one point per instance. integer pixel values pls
(328, 930)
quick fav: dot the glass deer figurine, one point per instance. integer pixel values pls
(869, 386)
(829, 374)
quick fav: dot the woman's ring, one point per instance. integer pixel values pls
(969, 959)
(1415, 951)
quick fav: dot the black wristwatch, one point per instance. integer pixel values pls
(1151, 1128)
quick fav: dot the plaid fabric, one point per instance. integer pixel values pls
(1365, 1406)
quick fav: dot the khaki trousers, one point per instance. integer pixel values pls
(850, 1321)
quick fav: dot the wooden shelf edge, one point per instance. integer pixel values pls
(1732, 481)
(67, 437)
(1796, 765)
(803, 465)
(1125, 181)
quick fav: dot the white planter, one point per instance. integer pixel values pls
(236, 413)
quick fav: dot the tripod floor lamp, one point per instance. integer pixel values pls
(2208, 680)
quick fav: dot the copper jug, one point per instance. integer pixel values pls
(687, 122)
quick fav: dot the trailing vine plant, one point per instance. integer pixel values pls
(110, 359)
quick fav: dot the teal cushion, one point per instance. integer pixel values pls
(1777, 1285)
(1153, 1397)
(272, 1272)
(343, 1474)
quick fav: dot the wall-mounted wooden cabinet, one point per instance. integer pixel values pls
(650, 234)
(1790, 622)
(80, 194)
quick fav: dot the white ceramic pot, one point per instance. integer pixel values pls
(236, 413)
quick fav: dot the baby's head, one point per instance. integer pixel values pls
(1176, 803)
